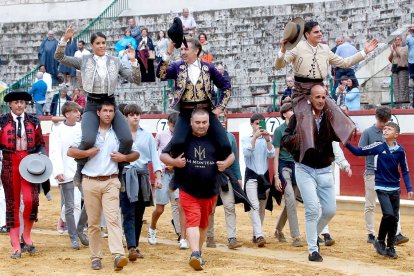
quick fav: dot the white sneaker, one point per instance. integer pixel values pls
(183, 244)
(152, 236)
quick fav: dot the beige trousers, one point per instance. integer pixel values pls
(103, 196)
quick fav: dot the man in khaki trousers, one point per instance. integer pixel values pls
(101, 187)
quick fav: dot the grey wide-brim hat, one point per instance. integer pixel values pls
(36, 168)
(293, 32)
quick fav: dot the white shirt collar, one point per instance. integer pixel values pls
(195, 63)
(98, 58)
(15, 116)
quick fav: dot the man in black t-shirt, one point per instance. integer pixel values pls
(196, 170)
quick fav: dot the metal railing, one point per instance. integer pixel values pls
(100, 23)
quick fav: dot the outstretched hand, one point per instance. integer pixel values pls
(70, 32)
(371, 45)
(130, 53)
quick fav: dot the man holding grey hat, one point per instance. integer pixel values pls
(20, 135)
(310, 61)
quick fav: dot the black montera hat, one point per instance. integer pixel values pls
(176, 33)
(17, 95)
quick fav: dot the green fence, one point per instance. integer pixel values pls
(100, 23)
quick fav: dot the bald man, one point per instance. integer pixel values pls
(314, 172)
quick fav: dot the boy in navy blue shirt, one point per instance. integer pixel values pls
(387, 184)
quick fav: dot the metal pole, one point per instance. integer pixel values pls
(274, 95)
(392, 91)
(164, 109)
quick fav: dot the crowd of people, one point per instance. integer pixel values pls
(101, 151)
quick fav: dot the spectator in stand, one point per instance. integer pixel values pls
(46, 55)
(47, 78)
(399, 69)
(345, 50)
(145, 45)
(188, 21)
(77, 97)
(205, 53)
(125, 41)
(161, 45)
(352, 96)
(38, 92)
(82, 51)
(57, 102)
(341, 90)
(134, 29)
(410, 44)
(67, 71)
(287, 94)
(338, 41)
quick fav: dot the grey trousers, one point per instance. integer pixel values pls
(289, 209)
(68, 195)
(90, 125)
(229, 213)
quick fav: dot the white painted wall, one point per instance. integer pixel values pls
(92, 8)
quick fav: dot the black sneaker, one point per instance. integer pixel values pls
(328, 240)
(400, 238)
(380, 247)
(391, 253)
(371, 238)
(315, 257)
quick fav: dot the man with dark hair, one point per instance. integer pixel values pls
(314, 172)
(138, 195)
(257, 149)
(196, 172)
(369, 136)
(311, 59)
(20, 135)
(101, 187)
(193, 89)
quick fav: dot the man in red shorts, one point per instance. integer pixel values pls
(196, 170)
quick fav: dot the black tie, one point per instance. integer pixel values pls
(19, 127)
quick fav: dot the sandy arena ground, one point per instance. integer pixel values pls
(351, 254)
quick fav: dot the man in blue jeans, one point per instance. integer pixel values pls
(314, 173)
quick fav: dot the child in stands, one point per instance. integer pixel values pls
(389, 155)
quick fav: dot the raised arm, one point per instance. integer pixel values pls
(60, 51)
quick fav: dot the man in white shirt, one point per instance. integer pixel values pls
(188, 21)
(101, 187)
(64, 168)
